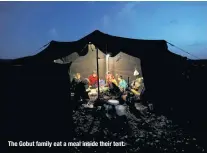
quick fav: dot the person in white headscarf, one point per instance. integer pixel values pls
(138, 81)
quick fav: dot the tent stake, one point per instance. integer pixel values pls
(97, 71)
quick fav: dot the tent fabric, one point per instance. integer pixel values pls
(159, 66)
(162, 70)
(35, 98)
(113, 44)
(122, 64)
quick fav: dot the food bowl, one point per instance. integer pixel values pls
(113, 102)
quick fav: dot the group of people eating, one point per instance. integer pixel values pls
(110, 81)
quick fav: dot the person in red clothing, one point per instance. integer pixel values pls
(93, 79)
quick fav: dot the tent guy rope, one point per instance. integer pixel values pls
(43, 46)
(182, 50)
(84, 47)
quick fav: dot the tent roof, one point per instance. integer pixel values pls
(113, 45)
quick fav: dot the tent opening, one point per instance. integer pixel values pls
(118, 76)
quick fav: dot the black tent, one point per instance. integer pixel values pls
(162, 70)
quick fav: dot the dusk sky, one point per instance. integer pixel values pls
(26, 26)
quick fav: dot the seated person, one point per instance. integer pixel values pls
(122, 83)
(101, 82)
(93, 79)
(86, 83)
(75, 81)
(137, 83)
(80, 91)
(79, 86)
(111, 79)
(114, 89)
(108, 76)
(137, 86)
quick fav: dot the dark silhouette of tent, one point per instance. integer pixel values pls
(160, 67)
(133, 47)
(166, 85)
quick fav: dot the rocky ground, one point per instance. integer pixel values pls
(146, 133)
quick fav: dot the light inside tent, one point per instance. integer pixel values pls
(107, 63)
(122, 64)
(108, 55)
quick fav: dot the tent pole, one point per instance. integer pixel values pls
(97, 71)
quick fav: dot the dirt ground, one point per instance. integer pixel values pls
(140, 133)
